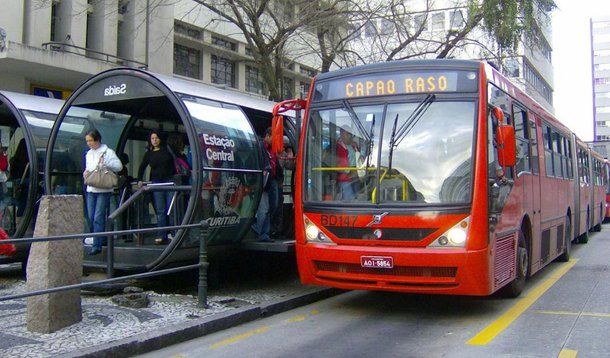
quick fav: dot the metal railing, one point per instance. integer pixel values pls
(89, 53)
(202, 288)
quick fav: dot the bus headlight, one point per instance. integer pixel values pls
(314, 234)
(455, 236)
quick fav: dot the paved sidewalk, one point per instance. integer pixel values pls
(110, 330)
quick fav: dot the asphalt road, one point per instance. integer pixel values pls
(564, 312)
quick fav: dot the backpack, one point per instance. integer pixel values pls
(181, 167)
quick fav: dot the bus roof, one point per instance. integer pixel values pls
(32, 103)
(398, 65)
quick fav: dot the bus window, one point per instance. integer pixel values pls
(523, 140)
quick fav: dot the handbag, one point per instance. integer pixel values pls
(102, 177)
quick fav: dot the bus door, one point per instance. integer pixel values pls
(532, 190)
(527, 166)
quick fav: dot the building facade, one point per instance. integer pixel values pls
(600, 61)
(49, 47)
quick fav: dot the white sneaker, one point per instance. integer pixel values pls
(88, 240)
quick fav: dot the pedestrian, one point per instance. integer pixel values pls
(98, 199)
(161, 166)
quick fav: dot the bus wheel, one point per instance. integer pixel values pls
(565, 256)
(584, 238)
(598, 227)
(515, 288)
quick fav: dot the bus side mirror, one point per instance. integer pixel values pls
(507, 151)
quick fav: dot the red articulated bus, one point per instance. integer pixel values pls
(437, 177)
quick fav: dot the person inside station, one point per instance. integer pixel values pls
(161, 166)
(346, 160)
(19, 165)
(98, 199)
(268, 205)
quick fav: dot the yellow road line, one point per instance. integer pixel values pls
(249, 334)
(565, 313)
(567, 353)
(238, 338)
(490, 332)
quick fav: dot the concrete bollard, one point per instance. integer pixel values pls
(56, 263)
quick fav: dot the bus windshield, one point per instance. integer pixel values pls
(418, 152)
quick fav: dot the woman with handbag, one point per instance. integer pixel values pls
(101, 164)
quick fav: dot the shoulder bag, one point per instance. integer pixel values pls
(102, 177)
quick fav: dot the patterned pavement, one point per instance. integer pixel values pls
(104, 322)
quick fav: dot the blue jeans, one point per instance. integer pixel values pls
(267, 209)
(97, 211)
(263, 218)
(347, 191)
(162, 200)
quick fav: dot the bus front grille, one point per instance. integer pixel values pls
(410, 271)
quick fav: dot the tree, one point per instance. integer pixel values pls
(267, 27)
(397, 29)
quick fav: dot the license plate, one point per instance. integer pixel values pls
(377, 261)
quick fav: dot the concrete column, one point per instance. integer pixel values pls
(54, 264)
(71, 23)
(102, 27)
(37, 22)
(133, 34)
(161, 37)
(11, 20)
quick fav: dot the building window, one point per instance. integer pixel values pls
(602, 109)
(537, 82)
(387, 27)
(369, 29)
(420, 21)
(254, 81)
(220, 42)
(354, 31)
(305, 90)
(189, 31)
(223, 71)
(187, 61)
(438, 21)
(287, 87)
(456, 19)
(54, 21)
(307, 72)
(602, 81)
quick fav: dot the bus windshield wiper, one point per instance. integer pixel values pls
(354, 117)
(399, 134)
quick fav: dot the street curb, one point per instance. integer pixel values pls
(166, 336)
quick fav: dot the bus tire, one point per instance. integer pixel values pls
(567, 235)
(516, 286)
(598, 226)
(584, 238)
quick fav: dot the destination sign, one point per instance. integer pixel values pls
(383, 84)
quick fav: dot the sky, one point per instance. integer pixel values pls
(573, 98)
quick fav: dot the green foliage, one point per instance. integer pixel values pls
(507, 21)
